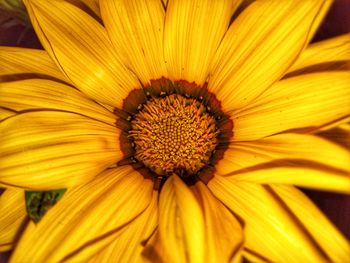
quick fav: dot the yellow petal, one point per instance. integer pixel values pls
(307, 101)
(282, 149)
(270, 229)
(328, 51)
(332, 242)
(128, 244)
(86, 219)
(136, 28)
(333, 124)
(89, 6)
(181, 223)
(15, 60)
(12, 217)
(193, 31)
(253, 256)
(155, 252)
(86, 56)
(50, 149)
(340, 135)
(5, 113)
(319, 18)
(165, 3)
(330, 66)
(218, 221)
(46, 94)
(92, 5)
(224, 235)
(259, 47)
(306, 176)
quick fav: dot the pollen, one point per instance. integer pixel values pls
(174, 134)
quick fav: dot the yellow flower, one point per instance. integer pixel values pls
(115, 106)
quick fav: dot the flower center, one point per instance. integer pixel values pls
(173, 127)
(174, 134)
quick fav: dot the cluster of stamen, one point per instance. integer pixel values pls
(173, 134)
(173, 127)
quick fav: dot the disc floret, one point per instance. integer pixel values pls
(173, 127)
(173, 134)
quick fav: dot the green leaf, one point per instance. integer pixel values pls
(38, 203)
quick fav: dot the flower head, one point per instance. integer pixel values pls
(179, 129)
